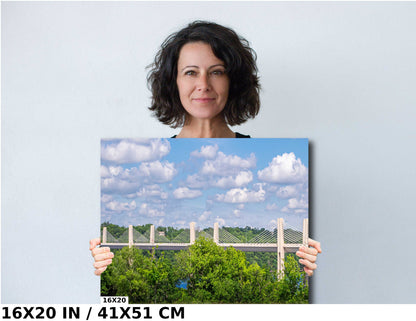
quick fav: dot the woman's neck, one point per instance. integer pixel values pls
(206, 128)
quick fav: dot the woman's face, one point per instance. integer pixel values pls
(202, 83)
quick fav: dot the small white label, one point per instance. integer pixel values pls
(114, 300)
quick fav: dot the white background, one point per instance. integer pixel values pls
(341, 74)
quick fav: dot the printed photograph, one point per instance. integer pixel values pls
(205, 220)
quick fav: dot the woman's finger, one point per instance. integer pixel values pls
(101, 264)
(315, 244)
(304, 255)
(94, 243)
(100, 270)
(309, 265)
(309, 250)
(100, 250)
(103, 256)
(309, 272)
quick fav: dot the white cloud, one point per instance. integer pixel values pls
(118, 186)
(295, 205)
(152, 191)
(118, 207)
(241, 179)
(157, 171)
(238, 195)
(237, 212)
(284, 169)
(227, 164)
(184, 192)
(220, 221)
(180, 224)
(135, 150)
(196, 181)
(288, 191)
(225, 171)
(271, 207)
(117, 180)
(148, 210)
(204, 216)
(105, 198)
(209, 152)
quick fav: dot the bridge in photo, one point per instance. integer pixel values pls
(283, 239)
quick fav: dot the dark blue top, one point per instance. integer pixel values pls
(237, 135)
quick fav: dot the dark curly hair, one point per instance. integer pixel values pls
(240, 66)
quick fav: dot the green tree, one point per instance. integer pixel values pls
(213, 275)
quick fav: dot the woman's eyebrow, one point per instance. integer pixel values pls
(210, 67)
(190, 66)
(217, 65)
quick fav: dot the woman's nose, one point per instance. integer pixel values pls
(203, 83)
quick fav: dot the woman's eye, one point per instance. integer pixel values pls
(218, 72)
(190, 73)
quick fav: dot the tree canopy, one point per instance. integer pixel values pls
(211, 273)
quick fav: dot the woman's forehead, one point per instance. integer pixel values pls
(197, 54)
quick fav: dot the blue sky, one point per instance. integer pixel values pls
(235, 182)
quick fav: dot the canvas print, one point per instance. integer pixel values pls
(205, 220)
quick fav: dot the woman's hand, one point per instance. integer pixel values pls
(308, 256)
(102, 256)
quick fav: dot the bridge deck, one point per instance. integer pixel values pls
(245, 247)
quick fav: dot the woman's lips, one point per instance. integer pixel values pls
(203, 100)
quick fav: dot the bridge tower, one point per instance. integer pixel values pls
(152, 234)
(280, 247)
(216, 233)
(192, 232)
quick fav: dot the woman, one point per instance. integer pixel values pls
(204, 79)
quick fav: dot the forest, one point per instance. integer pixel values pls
(203, 273)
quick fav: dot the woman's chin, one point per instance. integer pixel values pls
(204, 115)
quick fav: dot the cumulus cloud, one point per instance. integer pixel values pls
(119, 207)
(209, 152)
(202, 181)
(105, 198)
(227, 164)
(110, 171)
(238, 195)
(271, 207)
(159, 172)
(241, 179)
(118, 186)
(184, 192)
(288, 191)
(237, 212)
(149, 210)
(134, 150)
(128, 181)
(152, 191)
(284, 169)
(196, 181)
(220, 221)
(223, 171)
(180, 223)
(204, 216)
(295, 205)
